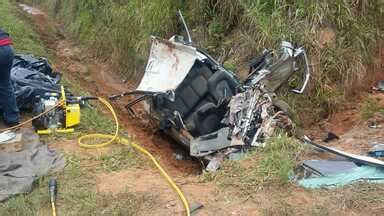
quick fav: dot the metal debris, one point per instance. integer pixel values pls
(330, 137)
(327, 167)
(362, 173)
(214, 164)
(253, 118)
(360, 159)
(6, 136)
(380, 85)
(377, 151)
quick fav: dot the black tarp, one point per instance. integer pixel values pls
(31, 77)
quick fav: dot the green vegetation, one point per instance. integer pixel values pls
(340, 36)
(370, 107)
(77, 190)
(77, 195)
(363, 199)
(270, 165)
(93, 120)
(120, 158)
(117, 30)
(24, 38)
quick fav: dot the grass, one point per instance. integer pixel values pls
(359, 199)
(28, 204)
(126, 24)
(370, 107)
(94, 120)
(235, 31)
(77, 189)
(262, 178)
(120, 159)
(79, 195)
(361, 196)
(25, 40)
(76, 195)
(270, 165)
(127, 204)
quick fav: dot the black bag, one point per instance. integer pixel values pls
(32, 77)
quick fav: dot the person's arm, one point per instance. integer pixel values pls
(4, 38)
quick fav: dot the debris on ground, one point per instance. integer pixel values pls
(326, 167)
(376, 121)
(330, 137)
(373, 125)
(196, 206)
(31, 10)
(360, 159)
(333, 173)
(361, 173)
(380, 86)
(7, 136)
(377, 151)
(23, 160)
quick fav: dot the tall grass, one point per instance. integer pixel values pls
(260, 168)
(25, 40)
(116, 30)
(354, 29)
(235, 31)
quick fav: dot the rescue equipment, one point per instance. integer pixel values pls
(60, 120)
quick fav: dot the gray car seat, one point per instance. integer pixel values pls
(197, 97)
(222, 85)
(207, 118)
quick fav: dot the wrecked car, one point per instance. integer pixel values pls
(205, 107)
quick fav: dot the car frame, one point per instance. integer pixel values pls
(190, 95)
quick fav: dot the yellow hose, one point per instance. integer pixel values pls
(111, 138)
(61, 103)
(53, 209)
(115, 137)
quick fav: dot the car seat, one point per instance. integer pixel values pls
(197, 98)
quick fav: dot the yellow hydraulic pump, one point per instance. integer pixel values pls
(63, 115)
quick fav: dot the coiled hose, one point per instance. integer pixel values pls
(115, 137)
(112, 138)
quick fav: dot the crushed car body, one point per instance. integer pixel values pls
(205, 107)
